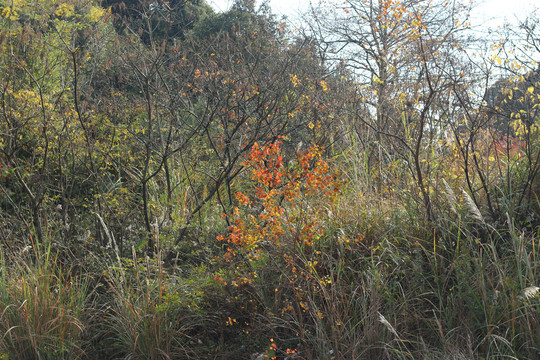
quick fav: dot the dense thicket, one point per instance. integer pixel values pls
(179, 183)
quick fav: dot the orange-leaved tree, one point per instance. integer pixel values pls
(279, 211)
(273, 247)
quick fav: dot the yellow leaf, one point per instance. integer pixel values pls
(531, 89)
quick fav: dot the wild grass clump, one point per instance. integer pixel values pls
(147, 318)
(43, 307)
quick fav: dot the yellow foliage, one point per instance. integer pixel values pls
(95, 14)
(65, 10)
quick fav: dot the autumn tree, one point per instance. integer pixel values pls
(404, 57)
(246, 90)
(43, 46)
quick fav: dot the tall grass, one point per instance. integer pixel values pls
(380, 286)
(42, 307)
(146, 319)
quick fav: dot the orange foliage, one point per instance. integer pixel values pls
(281, 212)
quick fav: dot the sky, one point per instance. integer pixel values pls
(491, 13)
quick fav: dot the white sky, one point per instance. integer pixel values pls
(496, 11)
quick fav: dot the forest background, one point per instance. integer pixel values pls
(178, 183)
